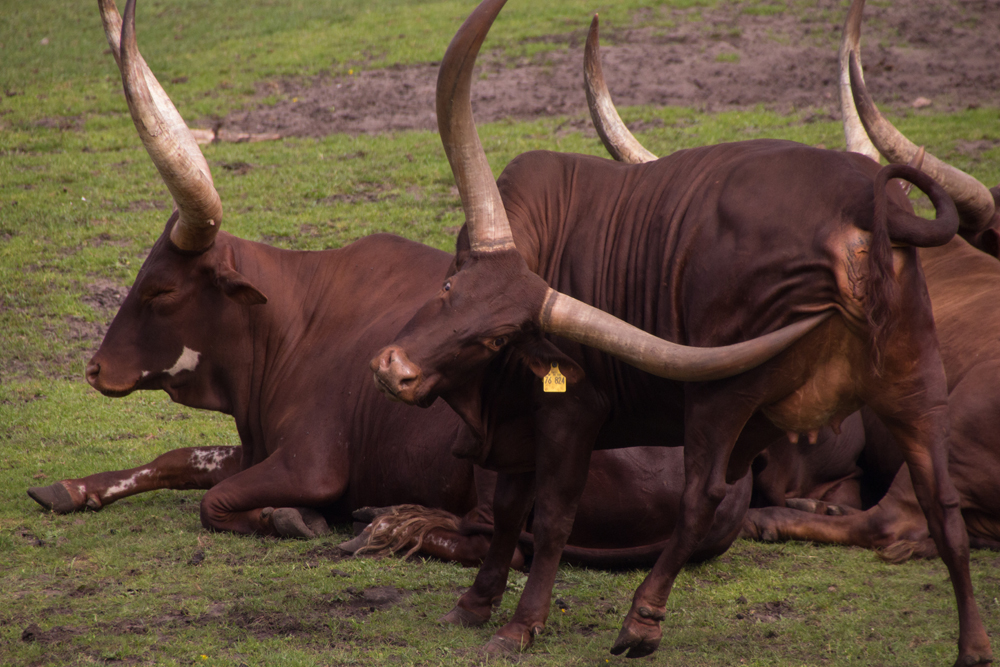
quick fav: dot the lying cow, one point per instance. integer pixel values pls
(963, 284)
(696, 248)
(291, 368)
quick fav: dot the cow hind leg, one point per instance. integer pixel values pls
(712, 423)
(924, 444)
(179, 469)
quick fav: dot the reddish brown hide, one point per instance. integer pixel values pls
(706, 247)
(964, 285)
(289, 367)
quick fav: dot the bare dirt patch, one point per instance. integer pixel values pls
(730, 59)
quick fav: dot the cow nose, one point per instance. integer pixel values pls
(395, 373)
(93, 371)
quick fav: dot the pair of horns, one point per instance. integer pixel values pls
(166, 137)
(624, 147)
(867, 131)
(489, 231)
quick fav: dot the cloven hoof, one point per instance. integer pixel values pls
(638, 644)
(464, 618)
(301, 523)
(505, 646)
(54, 497)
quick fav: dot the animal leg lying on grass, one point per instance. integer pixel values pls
(180, 469)
(276, 496)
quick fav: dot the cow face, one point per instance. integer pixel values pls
(181, 312)
(491, 304)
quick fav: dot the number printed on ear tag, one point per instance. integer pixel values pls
(554, 380)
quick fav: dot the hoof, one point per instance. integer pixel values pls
(369, 514)
(639, 640)
(464, 618)
(352, 545)
(54, 497)
(810, 505)
(506, 646)
(304, 523)
(972, 660)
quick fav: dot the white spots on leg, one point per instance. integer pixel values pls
(210, 458)
(126, 485)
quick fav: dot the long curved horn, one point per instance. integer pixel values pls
(854, 132)
(167, 139)
(486, 218)
(617, 139)
(562, 314)
(565, 316)
(972, 199)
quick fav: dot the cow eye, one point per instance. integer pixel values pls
(447, 286)
(157, 293)
(498, 342)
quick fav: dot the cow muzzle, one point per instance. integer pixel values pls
(396, 376)
(102, 384)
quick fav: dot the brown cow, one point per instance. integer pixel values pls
(695, 248)
(292, 372)
(289, 367)
(963, 284)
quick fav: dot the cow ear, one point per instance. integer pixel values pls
(237, 287)
(541, 354)
(233, 283)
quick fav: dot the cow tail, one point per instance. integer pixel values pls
(892, 223)
(880, 288)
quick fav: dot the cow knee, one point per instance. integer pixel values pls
(213, 512)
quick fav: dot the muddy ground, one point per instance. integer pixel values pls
(943, 51)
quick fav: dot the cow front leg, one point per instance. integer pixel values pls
(561, 476)
(512, 500)
(180, 469)
(278, 496)
(713, 422)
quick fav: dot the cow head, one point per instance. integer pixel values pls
(867, 131)
(494, 307)
(160, 339)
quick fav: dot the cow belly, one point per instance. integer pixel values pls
(825, 398)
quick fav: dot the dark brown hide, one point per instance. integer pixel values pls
(706, 247)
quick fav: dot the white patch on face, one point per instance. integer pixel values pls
(209, 460)
(125, 485)
(188, 361)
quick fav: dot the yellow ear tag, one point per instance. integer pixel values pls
(554, 380)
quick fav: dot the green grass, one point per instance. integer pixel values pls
(80, 204)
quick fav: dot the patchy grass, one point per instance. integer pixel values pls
(140, 583)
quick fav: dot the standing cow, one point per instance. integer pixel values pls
(291, 368)
(705, 247)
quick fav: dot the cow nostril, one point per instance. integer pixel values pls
(93, 370)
